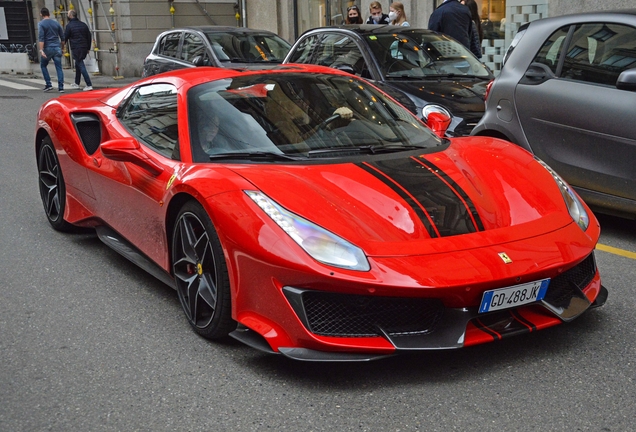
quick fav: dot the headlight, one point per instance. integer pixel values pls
(434, 108)
(319, 243)
(572, 201)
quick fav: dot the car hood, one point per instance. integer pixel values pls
(474, 192)
(459, 96)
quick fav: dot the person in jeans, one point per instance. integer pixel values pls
(79, 37)
(51, 42)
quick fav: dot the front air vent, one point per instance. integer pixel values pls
(89, 130)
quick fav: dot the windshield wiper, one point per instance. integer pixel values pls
(255, 156)
(365, 149)
(453, 75)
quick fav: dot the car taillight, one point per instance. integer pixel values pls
(488, 87)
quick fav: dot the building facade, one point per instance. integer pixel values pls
(125, 30)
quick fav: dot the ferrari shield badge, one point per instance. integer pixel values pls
(504, 257)
(174, 176)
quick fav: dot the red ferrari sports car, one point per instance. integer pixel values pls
(304, 212)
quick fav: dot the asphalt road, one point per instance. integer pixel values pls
(89, 342)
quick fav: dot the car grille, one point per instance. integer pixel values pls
(347, 315)
(563, 287)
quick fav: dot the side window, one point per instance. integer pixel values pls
(192, 47)
(599, 52)
(305, 50)
(347, 53)
(550, 52)
(170, 44)
(151, 115)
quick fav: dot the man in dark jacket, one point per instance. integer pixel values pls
(453, 19)
(79, 36)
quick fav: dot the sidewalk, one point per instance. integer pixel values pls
(99, 80)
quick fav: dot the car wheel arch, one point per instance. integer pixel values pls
(40, 135)
(174, 206)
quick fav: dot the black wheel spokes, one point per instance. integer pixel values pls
(49, 184)
(195, 271)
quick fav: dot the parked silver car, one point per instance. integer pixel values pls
(567, 93)
(219, 46)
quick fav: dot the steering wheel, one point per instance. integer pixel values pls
(321, 126)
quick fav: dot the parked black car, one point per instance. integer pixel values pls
(424, 70)
(218, 46)
(567, 93)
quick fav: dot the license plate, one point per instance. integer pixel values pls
(505, 298)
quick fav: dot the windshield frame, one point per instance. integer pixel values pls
(289, 115)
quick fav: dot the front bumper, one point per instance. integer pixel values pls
(393, 325)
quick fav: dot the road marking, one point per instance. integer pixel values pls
(16, 86)
(37, 81)
(616, 251)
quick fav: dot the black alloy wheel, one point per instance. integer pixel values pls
(52, 188)
(201, 273)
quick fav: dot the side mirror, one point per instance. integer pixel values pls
(438, 122)
(627, 80)
(128, 150)
(345, 68)
(198, 61)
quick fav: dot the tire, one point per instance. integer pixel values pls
(200, 273)
(52, 187)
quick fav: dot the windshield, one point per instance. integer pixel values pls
(423, 55)
(248, 47)
(299, 115)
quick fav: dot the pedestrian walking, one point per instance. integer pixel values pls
(377, 17)
(78, 36)
(51, 42)
(453, 19)
(477, 34)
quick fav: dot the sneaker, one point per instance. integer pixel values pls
(48, 89)
(75, 86)
(61, 90)
(87, 88)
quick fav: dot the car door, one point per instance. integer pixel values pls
(194, 50)
(169, 46)
(131, 175)
(572, 113)
(333, 49)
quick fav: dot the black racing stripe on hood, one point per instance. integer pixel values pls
(462, 194)
(421, 213)
(443, 205)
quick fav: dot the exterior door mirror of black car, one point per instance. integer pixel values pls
(345, 68)
(537, 73)
(128, 150)
(627, 80)
(198, 61)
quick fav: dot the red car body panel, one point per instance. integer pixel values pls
(514, 201)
